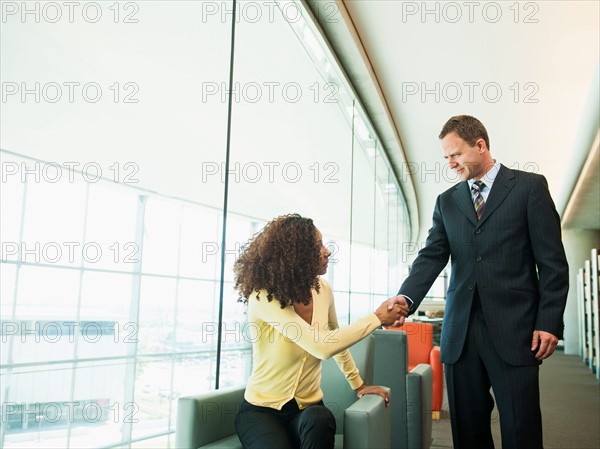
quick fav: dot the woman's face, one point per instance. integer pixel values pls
(323, 255)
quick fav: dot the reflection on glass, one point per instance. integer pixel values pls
(157, 314)
(11, 202)
(100, 405)
(196, 316)
(53, 223)
(110, 226)
(155, 395)
(161, 237)
(47, 293)
(36, 415)
(7, 292)
(200, 241)
(105, 296)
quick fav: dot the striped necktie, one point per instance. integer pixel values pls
(478, 201)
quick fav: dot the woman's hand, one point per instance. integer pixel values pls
(389, 316)
(373, 389)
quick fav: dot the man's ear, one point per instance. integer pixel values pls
(481, 145)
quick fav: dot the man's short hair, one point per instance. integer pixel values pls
(467, 128)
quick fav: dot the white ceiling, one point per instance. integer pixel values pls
(532, 79)
(170, 130)
(557, 55)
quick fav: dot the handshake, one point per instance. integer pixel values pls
(393, 311)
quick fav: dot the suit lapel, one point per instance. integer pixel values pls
(503, 184)
(463, 200)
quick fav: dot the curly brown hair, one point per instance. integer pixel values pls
(283, 259)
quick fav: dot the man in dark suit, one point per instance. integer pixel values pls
(507, 291)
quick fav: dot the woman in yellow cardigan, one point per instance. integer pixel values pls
(293, 326)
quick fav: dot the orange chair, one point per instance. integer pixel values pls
(421, 350)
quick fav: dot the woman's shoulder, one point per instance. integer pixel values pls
(325, 289)
(324, 283)
(260, 308)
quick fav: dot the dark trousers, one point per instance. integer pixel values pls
(288, 428)
(516, 390)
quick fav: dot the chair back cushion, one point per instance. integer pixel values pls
(420, 342)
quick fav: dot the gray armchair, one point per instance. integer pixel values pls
(207, 420)
(359, 424)
(411, 405)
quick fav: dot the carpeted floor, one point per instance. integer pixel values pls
(570, 400)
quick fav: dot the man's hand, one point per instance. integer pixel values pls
(544, 343)
(372, 389)
(388, 316)
(403, 303)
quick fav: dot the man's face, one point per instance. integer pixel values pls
(323, 255)
(467, 161)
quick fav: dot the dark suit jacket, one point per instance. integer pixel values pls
(514, 257)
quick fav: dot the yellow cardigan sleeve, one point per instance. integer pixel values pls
(344, 359)
(320, 341)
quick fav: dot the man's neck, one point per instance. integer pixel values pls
(486, 169)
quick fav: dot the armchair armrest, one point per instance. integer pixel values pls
(418, 386)
(208, 417)
(438, 379)
(368, 423)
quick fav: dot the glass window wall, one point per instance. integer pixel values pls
(117, 124)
